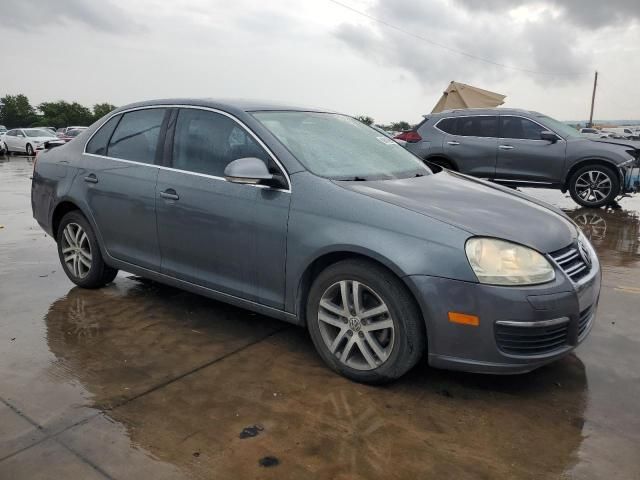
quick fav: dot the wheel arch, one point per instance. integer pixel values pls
(441, 156)
(60, 210)
(586, 162)
(326, 259)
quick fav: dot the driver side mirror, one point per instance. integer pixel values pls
(252, 171)
(548, 136)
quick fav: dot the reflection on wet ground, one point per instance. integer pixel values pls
(139, 380)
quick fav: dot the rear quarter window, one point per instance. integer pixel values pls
(448, 125)
(98, 143)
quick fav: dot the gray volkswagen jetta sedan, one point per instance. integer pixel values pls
(312, 217)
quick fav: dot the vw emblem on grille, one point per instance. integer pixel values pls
(584, 253)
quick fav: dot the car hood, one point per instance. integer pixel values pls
(476, 206)
(604, 142)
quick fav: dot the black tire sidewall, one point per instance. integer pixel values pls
(615, 181)
(97, 273)
(408, 335)
(29, 150)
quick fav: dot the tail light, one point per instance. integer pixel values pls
(410, 137)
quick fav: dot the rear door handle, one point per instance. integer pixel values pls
(170, 194)
(91, 178)
(506, 147)
(453, 143)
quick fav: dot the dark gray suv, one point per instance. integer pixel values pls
(316, 219)
(524, 148)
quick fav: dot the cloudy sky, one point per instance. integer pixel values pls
(389, 59)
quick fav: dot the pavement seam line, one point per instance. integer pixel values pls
(48, 437)
(124, 402)
(196, 369)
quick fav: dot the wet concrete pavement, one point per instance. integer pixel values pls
(139, 380)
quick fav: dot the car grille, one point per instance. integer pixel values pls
(586, 317)
(527, 340)
(571, 262)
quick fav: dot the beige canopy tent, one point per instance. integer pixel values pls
(460, 95)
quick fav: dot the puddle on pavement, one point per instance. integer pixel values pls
(146, 380)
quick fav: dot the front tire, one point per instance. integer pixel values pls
(364, 322)
(80, 254)
(29, 150)
(594, 186)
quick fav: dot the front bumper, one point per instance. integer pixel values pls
(558, 316)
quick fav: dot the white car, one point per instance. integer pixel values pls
(594, 133)
(620, 132)
(26, 140)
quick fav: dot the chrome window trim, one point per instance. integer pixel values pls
(498, 115)
(463, 116)
(195, 107)
(534, 121)
(542, 323)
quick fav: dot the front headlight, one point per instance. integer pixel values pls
(498, 262)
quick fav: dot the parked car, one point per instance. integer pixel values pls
(307, 217)
(26, 140)
(594, 133)
(63, 131)
(523, 148)
(3, 130)
(71, 134)
(621, 132)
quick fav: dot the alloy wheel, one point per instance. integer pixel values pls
(29, 150)
(76, 250)
(356, 325)
(593, 186)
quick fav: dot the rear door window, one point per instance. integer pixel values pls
(519, 128)
(98, 143)
(478, 126)
(136, 136)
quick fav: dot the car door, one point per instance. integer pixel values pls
(524, 156)
(224, 236)
(18, 141)
(471, 143)
(9, 140)
(119, 178)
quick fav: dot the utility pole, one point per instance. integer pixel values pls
(593, 99)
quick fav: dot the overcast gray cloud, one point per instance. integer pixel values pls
(545, 48)
(101, 15)
(585, 13)
(318, 53)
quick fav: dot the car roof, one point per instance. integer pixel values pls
(227, 105)
(483, 111)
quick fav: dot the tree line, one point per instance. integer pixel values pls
(16, 111)
(393, 126)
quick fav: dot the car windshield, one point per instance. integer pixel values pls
(73, 133)
(37, 132)
(339, 147)
(557, 126)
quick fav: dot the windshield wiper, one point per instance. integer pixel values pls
(354, 179)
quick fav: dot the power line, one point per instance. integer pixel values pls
(454, 50)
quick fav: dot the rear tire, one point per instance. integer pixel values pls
(354, 340)
(594, 186)
(80, 253)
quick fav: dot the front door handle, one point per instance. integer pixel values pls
(170, 194)
(506, 147)
(453, 143)
(91, 178)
